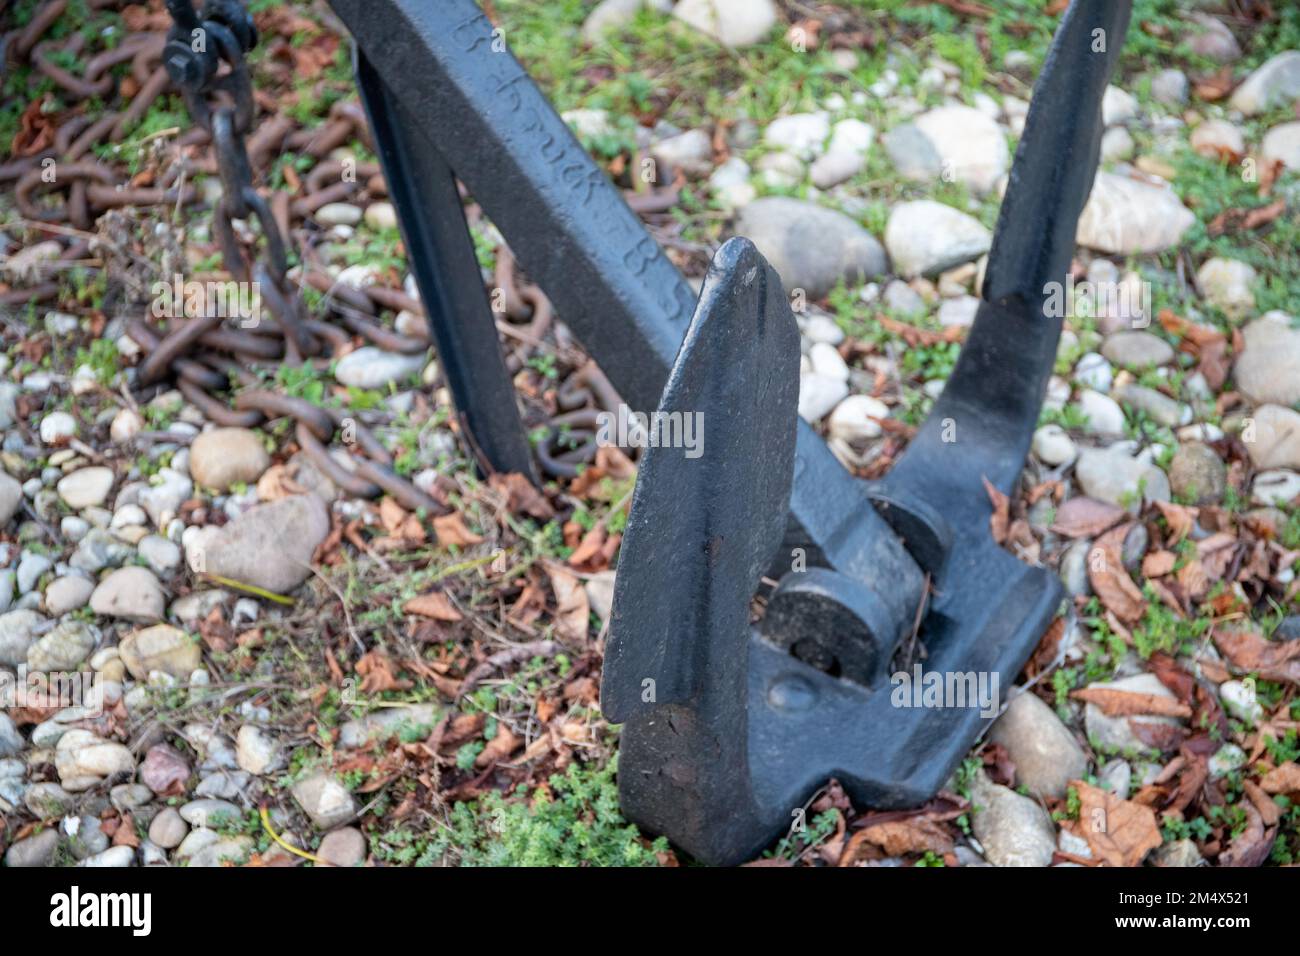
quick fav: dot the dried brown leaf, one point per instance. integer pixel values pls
(1111, 581)
(1120, 832)
(1083, 517)
(435, 604)
(1123, 703)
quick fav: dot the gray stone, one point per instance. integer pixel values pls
(213, 814)
(343, 847)
(691, 152)
(811, 247)
(1272, 437)
(1197, 474)
(1115, 776)
(326, 801)
(11, 496)
(85, 838)
(926, 237)
(257, 751)
(733, 23)
(1102, 414)
(223, 784)
(233, 849)
(30, 569)
(1275, 83)
(130, 796)
(48, 800)
(370, 367)
(160, 648)
(18, 631)
(83, 760)
(133, 594)
(1053, 446)
(972, 147)
(902, 298)
(168, 829)
(11, 741)
(36, 850)
(1046, 755)
(271, 545)
(1116, 145)
(224, 457)
(381, 216)
(1137, 349)
(338, 214)
(1214, 40)
(99, 550)
(67, 594)
(1073, 569)
(818, 395)
(1217, 139)
(1178, 853)
(1279, 487)
(1268, 369)
(913, 154)
(63, 648)
(1118, 106)
(1226, 283)
(835, 167)
(1282, 143)
(1114, 477)
(1124, 217)
(86, 487)
(1240, 701)
(385, 724)
(115, 857)
(1014, 830)
(162, 499)
(959, 311)
(162, 556)
(1169, 87)
(1157, 406)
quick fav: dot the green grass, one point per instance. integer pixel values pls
(574, 821)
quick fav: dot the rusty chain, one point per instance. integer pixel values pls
(203, 355)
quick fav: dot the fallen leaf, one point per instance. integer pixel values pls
(589, 547)
(1111, 581)
(434, 605)
(1180, 518)
(376, 670)
(1216, 86)
(521, 496)
(451, 530)
(572, 609)
(1000, 519)
(1083, 517)
(498, 748)
(1158, 563)
(1123, 703)
(913, 835)
(1285, 778)
(1243, 220)
(1252, 846)
(1268, 809)
(1120, 832)
(1251, 652)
